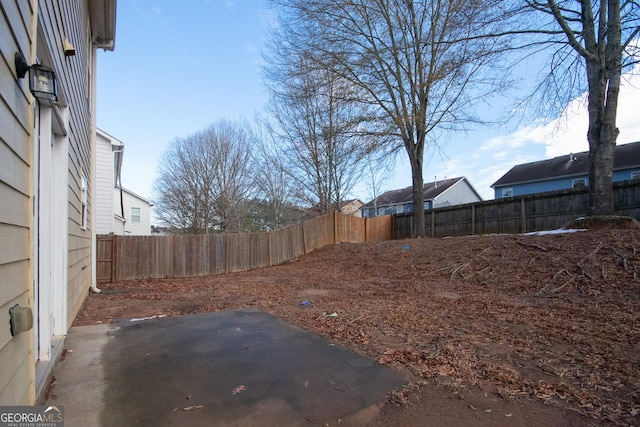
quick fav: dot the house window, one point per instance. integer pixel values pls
(635, 174)
(579, 183)
(507, 192)
(135, 214)
(83, 188)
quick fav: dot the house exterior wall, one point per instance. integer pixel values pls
(626, 174)
(353, 208)
(537, 187)
(141, 227)
(45, 168)
(382, 210)
(118, 218)
(455, 191)
(104, 186)
(70, 19)
(17, 21)
(458, 194)
(557, 184)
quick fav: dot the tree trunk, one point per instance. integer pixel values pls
(418, 196)
(603, 75)
(601, 173)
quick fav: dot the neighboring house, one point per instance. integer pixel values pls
(568, 171)
(446, 192)
(47, 180)
(137, 212)
(118, 210)
(351, 207)
(347, 207)
(109, 216)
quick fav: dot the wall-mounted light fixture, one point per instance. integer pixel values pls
(42, 79)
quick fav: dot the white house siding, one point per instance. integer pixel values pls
(105, 200)
(142, 228)
(16, 128)
(459, 193)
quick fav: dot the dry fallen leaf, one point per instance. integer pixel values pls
(238, 389)
(192, 408)
(174, 409)
(472, 407)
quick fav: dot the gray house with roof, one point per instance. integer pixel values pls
(564, 172)
(446, 192)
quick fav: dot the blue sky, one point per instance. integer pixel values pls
(179, 66)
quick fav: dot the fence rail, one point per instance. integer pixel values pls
(142, 257)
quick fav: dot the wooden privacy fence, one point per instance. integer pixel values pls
(142, 257)
(520, 214)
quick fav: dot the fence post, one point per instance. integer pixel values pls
(304, 239)
(335, 227)
(269, 248)
(473, 219)
(523, 216)
(114, 258)
(366, 238)
(227, 256)
(433, 223)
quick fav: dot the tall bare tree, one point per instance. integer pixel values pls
(418, 62)
(205, 180)
(600, 39)
(317, 125)
(378, 167)
(273, 207)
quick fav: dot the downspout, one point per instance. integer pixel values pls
(119, 178)
(92, 112)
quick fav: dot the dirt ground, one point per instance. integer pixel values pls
(513, 330)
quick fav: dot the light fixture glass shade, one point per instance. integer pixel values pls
(42, 82)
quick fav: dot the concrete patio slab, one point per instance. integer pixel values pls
(236, 368)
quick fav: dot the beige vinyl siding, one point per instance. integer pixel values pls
(70, 19)
(16, 124)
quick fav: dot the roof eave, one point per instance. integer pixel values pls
(102, 15)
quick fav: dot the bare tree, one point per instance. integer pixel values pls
(378, 167)
(598, 38)
(205, 180)
(273, 207)
(418, 62)
(317, 125)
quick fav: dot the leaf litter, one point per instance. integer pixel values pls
(552, 317)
